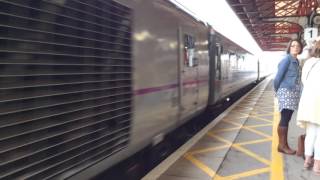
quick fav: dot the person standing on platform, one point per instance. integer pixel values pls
(308, 115)
(287, 87)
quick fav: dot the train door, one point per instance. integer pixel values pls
(212, 65)
(188, 73)
(217, 73)
(218, 64)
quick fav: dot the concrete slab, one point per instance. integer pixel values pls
(234, 163)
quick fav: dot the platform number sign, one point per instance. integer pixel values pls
(310, 33)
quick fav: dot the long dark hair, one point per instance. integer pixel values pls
(289, 45)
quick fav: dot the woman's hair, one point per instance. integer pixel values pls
(315, 51)
(289, 45)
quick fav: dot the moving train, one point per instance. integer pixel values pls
(86, 84)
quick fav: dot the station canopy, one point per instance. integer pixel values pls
(273, 23)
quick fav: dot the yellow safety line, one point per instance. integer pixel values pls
(263, 105)
(243, 111)
(227, 129)
(231, 121)
(205, 150)
(200, 165)
(269, 112)
(208, 149)
(259, 125)
(247, 100)
(260, 118)
(249, 129)
(257, 132)
(246, 174)
(239, 121)
(231, 115)
(242, 149)
(245, 107)
(218, 138)
(255, 141)
(276, 165)
(240, 112)
(265, 113)
(251, 154)
(276, 157)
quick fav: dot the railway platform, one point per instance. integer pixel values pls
(241, 143)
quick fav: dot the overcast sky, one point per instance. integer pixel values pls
(219, 14)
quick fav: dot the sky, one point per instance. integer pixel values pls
(219, 14)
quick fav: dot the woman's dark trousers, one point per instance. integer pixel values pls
(283, 146)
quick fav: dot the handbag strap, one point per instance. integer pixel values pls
(311, 68)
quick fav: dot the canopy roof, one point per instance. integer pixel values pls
(273, 23)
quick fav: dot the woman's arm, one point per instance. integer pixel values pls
(282, 69)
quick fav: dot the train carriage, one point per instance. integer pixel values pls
(86, 84)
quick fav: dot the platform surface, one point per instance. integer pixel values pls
(241, 143)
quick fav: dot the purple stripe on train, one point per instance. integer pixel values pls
(143, 91)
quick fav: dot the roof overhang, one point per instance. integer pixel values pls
(273, 23)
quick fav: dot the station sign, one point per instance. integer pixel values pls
(310, 33)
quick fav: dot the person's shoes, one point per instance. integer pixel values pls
(283, 146)
(308, 162)
(286, 150)
(316, 167)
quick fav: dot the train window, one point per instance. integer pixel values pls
(189, 46)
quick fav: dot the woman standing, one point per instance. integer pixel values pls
(287, 87)
(309, 108)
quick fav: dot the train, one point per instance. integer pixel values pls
(87, 84)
